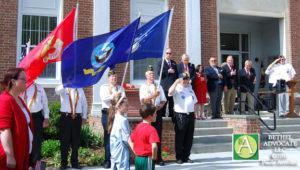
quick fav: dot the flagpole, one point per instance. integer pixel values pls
(162, 59)
(125, 71)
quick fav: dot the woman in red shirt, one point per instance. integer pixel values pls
(200, 91)
(16, 124)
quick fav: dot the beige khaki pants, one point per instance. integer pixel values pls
(229, 100)
(250, 99)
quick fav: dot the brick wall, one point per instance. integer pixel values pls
(209, 39)
(244, 125)
(8, 35)
(294, 24)
(177, 35)
(120, 17)
(85, 29)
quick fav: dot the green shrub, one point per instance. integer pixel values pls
(56, 159)
(95, 160)
(50, 147)
(52, 132)
(83, 152)
(88, 138)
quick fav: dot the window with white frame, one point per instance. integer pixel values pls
(37, 19)
(147, 9)
(37, 28)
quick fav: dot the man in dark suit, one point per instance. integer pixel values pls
(247, 79)
(168, 77)
(231, 83)
(215, 84)
(186, 67)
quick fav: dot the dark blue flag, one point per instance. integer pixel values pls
(84, 61)
(150, 38)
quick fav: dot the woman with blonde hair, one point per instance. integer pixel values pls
(118, 128)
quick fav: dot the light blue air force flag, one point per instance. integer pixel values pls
(150, 38)
(84, 61)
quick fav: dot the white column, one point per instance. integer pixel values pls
(193, 31)
(101, 26)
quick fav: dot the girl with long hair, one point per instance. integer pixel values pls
(200, 91)
(118, 127)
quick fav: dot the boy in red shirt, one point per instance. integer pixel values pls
(144, 139)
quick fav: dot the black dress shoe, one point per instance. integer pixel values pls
(106, 165)
(161, 163)
(179, 161)
(189, 161)
(76, 167)
(63, 168)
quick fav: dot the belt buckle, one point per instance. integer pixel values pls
(188, 113)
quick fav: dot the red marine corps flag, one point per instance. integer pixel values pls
(50, 49)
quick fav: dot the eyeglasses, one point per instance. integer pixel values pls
(24, 79)
(213, 60)
(169, 53)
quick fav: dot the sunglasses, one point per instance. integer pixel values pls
(169, 53)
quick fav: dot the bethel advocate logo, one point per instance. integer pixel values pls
(245, 147)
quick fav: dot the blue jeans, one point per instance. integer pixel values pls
(106, 136)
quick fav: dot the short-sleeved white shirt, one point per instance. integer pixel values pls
(280, 71)
(106, 97)
(148, 89)
(184, 99)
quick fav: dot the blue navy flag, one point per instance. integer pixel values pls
(84, 61)
(150, 38)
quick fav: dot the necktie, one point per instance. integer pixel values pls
(169, 63)
(185, 68)
(248, 73)
(231, 71)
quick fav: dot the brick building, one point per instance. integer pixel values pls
(258, 30)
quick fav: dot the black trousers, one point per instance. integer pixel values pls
(158, 126)
(170, 107)
(104, 121)
(184, 133)
(38, 119)
(69, 134)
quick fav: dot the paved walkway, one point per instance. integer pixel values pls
(223, 160)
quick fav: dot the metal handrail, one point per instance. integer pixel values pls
(252, 110)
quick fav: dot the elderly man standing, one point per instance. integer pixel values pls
(186, 67)
(153, 93)
(247, 80)
(277, 70)
(168, 77)
(184, 100)
(107, 93)
(215, 84)
(231, 83)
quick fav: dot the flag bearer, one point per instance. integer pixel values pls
(36, 101)
(73, 114)
(153, 93)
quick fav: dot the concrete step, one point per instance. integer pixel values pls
(294, 135)
(212, 131)
(210, 139)
(281, 128)
(211, 148)
(210, 123)
(284, 121)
